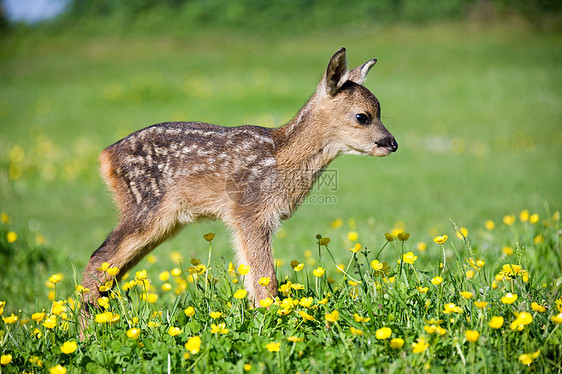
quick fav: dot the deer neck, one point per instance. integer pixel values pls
(303, 145)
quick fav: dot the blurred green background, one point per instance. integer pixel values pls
(472, 91)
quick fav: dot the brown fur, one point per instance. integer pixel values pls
(172, 174)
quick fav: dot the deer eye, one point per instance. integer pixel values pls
(362, 118)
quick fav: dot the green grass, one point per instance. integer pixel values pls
(374, 317)
(475, 110)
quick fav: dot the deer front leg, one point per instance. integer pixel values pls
(253, 248)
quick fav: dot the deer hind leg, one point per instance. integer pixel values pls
(253, 248)
(124, 247)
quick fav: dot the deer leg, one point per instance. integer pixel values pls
(124, 247)
(253, 248)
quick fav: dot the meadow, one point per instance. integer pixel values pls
(475, 109)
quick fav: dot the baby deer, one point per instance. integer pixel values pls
(171, 174)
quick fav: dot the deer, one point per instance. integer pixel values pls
(171, 174)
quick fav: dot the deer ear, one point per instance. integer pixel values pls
(359, 74)
(335, 75)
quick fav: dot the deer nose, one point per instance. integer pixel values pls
(388, 143)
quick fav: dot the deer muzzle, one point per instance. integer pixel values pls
(385, 147)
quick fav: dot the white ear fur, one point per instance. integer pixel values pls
(359, 74)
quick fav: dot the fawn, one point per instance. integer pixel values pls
(171, 174)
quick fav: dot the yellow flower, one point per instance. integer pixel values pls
(50, 322)
(534, 218)
(509, 219)
(209, 236)
(396, 343)
(509, 298)
(298, 266)
(55, 278)
(383, 333)
(409, 258)
(133, 333)
(496, 322)
(103, 266)
(470, 274)
(295, 339)
(2, 305)
(10, 319)
(489, 224)
(103, 302)
(452, 308)
(305, 315)
(440, 239)
(68, 347)
(437, 280)
(306, 302)
(113, 271)
(523, 319)
(266, 303)
(352, 236)
(243, 269)
(332, 317)
(38, 317)
(286, 288)
(322, 241)
(6, 359)
(537, 307)
(174, 331)
(176, 272)
(389, 237)
(240, 294)
(420, 346)
(511, 271)
(193, 344)
(355, 331)
(141, 275)
(323, 301)
(359, 318)
(524, 215)
(472, 335)
(58, 369)
(527, 358)
(462, 233)
(219, 329)
(557, 318)
(215, 315)
(434, 329)
(247, 367)
(336, 224)
(466, 294)
(507, 251)
(4, 218)
(189, 311)
(273, 347)
(376, 265)
(356, 248)
(538, 239)
(11, 237)
(319, 272)
(480, 304)
(264, 281)
(403, 236)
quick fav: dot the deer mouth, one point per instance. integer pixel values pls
(385, 147)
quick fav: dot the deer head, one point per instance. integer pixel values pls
(350, 113)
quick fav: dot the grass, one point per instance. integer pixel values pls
(475, 110)
(481, 305)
